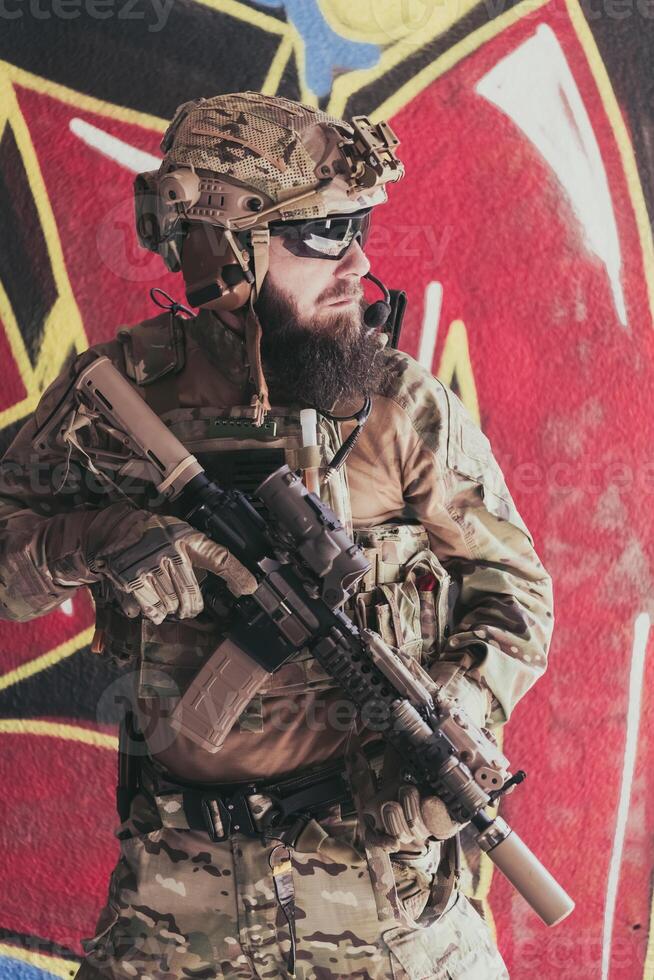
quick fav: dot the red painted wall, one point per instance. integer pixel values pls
(531, 217)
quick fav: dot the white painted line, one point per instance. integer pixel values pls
(110, 146)
(430, 322)
(535, 87)
(641, 633)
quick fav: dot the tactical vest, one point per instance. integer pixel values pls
(403, 596)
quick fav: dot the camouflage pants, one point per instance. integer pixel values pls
(183, 906)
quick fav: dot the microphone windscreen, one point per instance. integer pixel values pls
(377, 314)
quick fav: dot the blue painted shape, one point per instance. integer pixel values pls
(326, 51)
(11, 969)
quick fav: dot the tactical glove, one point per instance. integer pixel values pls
(399, 818)
(148, 559)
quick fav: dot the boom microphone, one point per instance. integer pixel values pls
(378, 313)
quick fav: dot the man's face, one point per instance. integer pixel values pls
(320, 290)
(316, 349)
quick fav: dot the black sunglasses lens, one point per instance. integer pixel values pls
(327, 238)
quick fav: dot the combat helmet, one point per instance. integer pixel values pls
(238, 167)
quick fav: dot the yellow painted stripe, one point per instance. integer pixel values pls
(56, 729)
(49, 964)
(455, 360)
(79, 101)
(444, 17)
(59, 653)
(65, 318)
(277, 67)
(406, 93)
(271, 25)
(63, 328)
(248, 14)
(306, 94)
(623, 140)
(488, 911)
(439, 18)
(19, 411)
(12, 332)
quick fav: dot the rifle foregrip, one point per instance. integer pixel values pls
(217, 695)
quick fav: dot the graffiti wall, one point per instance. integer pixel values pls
(522, 235)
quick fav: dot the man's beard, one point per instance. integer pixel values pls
(316, 366)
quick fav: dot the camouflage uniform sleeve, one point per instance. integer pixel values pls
(502, 615)
(37, 490)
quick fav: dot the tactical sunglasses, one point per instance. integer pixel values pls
(324, 238)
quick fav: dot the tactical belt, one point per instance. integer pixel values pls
(255, 809)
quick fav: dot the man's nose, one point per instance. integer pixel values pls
(353, 263)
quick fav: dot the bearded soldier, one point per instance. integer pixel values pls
(264, 205)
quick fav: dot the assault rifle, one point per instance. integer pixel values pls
(306, 567)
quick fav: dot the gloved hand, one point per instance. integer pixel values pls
(399, 817)
(149, 559)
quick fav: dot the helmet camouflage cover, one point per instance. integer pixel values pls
(242, 160)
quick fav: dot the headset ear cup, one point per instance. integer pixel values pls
(233, 274)
(216, 294)
(146, 209)
(213, 279)
(170, 252)
(149, 232)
